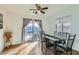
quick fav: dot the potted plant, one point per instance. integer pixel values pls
(7, 36)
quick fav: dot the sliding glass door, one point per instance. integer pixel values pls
(28, 31)
(31, 30)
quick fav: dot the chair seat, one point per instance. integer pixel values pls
(64, 47)
(49, 44)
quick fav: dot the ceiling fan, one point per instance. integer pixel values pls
(39, 9)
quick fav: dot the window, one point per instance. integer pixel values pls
(1, 21)
(63, 24)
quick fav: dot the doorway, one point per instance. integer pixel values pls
(31, 30)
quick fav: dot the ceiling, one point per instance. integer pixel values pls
(23, 9)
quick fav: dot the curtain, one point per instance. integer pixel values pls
(25, 22)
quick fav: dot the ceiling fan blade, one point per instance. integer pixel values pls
(44, 8)
(32, 9)
(42, 12)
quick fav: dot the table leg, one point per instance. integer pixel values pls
(55, 47)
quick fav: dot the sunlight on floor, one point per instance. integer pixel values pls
(24, 49)
(28, 48)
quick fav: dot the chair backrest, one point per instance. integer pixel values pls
(70, 40)
(62, 35)
(55, 33)
(65, 36)
(42, 36)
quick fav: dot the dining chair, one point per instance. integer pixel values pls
(48, 44)
(63, 36)
(67, 47)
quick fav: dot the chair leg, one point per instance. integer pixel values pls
(46, 51)
(71, 51)
(66, 52)
(55, 47)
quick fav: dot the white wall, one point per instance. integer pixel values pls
(11, 22)
(14, 24)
